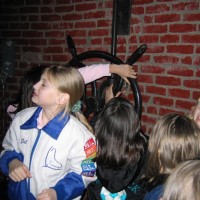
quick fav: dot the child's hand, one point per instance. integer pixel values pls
(109, 93)
(47, 194)
(18, 171)
(123, 70)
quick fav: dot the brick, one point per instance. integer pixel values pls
(193, 5)
(192, 17)
(180, 71)
(59, 58)
(145, 98)
(63, 9)
(96, 41)
(63, 25)
(186, 60)
(173, 81)
(167, 18)
(64, 1)
(191, 38)
(50, 18)
(104, 23)
(164, 111)
(135, 20)
(53, 49)
(152, 69)
(48, 2)
(145, 79)
(197, 60)
(163, 101)
(47, 58)
(45, 10)
(85, 25)
(148, 119)
(148, 19)
(176, 92)
(40, 26)
(182, 49)
(94, 15)
(85, 7)
(138, 10)
(156, 90)
(195, 95)
(142, 2)
(191, 83)
(182, 28)
(155, 29)
(198, 49)
(72, 17)
(183, 104)
(56, 42)
(32, 49)
(172, 38)
(100, 32)
(161, 8)
(32, 34)
(166, 59)
(198, 73)
(155, 49)
(149, 39)
(58, 34)
(152, 110)
(77, 33)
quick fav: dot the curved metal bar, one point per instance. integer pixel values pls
(133, 83)
(95, 103)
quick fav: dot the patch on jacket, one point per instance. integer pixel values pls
(90, 148)
(88, 165)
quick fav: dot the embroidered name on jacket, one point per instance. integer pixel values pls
(88, 166)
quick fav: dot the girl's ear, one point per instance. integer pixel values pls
(63, 98)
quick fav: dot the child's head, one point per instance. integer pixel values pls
(175, 138)
(26, 88)
(117, 129)
(62, 86)
(184, 182)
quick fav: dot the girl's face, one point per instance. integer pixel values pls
(45, 94)
(195, 112)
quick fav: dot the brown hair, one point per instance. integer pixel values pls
(175, 138)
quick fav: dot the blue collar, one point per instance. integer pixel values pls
(52, 128)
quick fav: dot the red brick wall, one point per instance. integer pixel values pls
(168, 72)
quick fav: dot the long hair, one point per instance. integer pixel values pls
(67, 80)
(117, 131)
(184, 182)
(175, 138)
(26, 88)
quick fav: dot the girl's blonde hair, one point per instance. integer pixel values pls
(184, 182)
(67, 80)
(175, 138)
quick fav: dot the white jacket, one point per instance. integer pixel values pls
(59, 155)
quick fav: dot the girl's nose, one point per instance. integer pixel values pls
(35, 86)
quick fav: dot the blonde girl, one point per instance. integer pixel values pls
(48, 153)
(184, 182)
